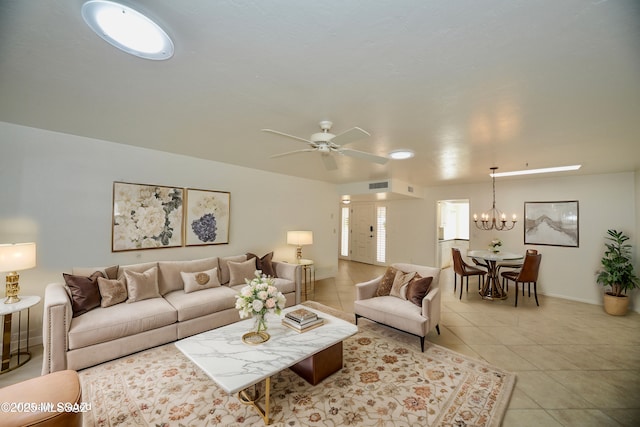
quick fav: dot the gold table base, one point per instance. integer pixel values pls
(252, 398)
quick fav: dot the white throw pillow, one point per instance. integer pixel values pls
(198, 281)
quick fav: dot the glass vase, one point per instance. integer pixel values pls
(260, 322)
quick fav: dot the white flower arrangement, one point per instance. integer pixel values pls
(495, 244)
(259, 297)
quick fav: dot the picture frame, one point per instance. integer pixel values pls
(146, 217)
(207, 217)
(552, 223)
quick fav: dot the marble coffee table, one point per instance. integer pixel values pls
(237, 367)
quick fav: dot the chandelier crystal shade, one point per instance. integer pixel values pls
(494, 219)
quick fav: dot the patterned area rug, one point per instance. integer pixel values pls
(386, 380)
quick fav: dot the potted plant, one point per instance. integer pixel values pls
(617, 273)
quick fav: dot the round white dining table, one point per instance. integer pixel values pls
(492, 288)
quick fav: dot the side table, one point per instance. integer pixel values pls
(7, 311)
(308, 275)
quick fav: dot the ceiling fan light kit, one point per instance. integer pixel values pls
(328, 144)
(402, 154)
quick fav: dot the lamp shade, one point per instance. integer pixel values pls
(17, 256)
(300, 238)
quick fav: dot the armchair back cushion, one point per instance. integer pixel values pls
(422, 270)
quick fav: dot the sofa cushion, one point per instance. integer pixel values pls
(112, 291)
(141, 286)
(224, 267)
(169, 278)
(201, 303)
(384, 288)
(399, 282)
(264, 264)
(418, 288)
(85, 294)
(120, 320)
(109, 272)
(392, 311)
(201, 280)
(241, 271)
(139, 268)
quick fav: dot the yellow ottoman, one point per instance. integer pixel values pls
(50, 400)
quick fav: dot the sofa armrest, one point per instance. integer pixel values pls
(367, 290)
(291, 272)
(431, 307)
(56, 321)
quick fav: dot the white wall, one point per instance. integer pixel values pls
(56, 190)
(605, 201)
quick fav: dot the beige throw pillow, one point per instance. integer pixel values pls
(141, 286)
(401, 280)
(224, 266)
(198, 281)
(239, 271)
(112, 291)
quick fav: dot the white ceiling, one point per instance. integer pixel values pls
(466, 84)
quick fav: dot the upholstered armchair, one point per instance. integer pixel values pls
(404, 307)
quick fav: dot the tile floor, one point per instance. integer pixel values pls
(575, 365)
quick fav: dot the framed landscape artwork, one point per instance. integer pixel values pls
(207, 217)
(551, 223)
(146, 217)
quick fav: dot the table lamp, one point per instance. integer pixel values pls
(299, 238)
(14, 257)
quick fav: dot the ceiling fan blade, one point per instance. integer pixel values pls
(351, 135)
(288, 136)
(292, 152)
(329, 162)
(364, 156)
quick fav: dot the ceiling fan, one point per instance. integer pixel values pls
(327, 144)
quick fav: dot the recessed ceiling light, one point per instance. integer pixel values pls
(127, 29)
(534, 171)
(401, 154)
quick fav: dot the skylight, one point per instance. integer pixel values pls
(127, 29)
(534, 171)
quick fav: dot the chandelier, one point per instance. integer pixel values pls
(494, 219)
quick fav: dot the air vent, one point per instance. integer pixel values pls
(409, 189)
(377, 185)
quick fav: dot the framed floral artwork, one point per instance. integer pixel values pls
(207, 217)
(146, 217)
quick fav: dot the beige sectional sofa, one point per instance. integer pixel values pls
(149, 316)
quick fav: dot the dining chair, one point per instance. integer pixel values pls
(527, 274)
(516, 265)
(462, 269)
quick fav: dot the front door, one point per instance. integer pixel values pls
(363, 235)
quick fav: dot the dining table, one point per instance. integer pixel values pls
(492, 289)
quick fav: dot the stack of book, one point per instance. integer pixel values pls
(302, 320)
